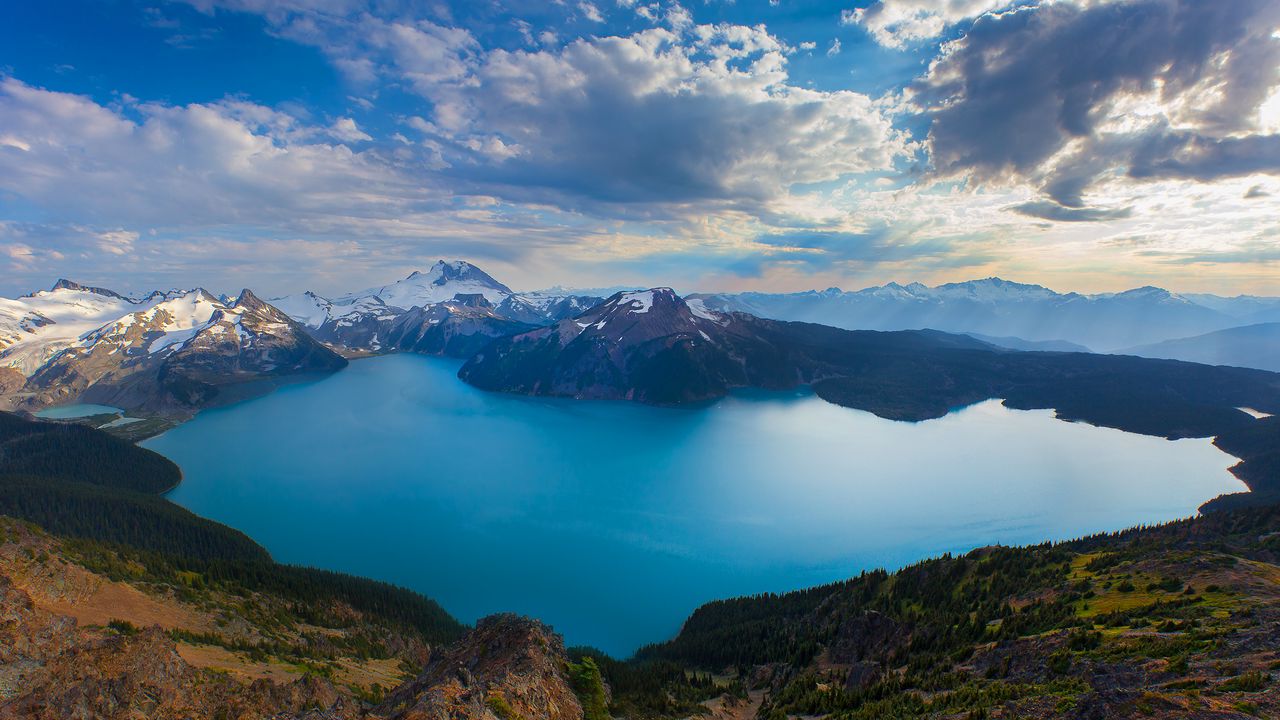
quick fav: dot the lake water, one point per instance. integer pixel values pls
(612, 521)
(67, 412)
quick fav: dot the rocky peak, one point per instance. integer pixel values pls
(508, 666)
(472, 300)
(251, 303)
(65, 284)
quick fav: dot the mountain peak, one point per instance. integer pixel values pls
(641, 301)
(248, 301)
(65, 284)
(444, 272)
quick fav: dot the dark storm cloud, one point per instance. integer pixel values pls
(1053, 211)
(1023, 86)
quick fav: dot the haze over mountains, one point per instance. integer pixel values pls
(999, 308)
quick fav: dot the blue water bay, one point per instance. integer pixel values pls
(612, 521)
(68, 412)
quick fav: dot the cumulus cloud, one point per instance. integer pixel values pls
(675, 116)
(167, 165)
(897, 23)
(346, 130)
(1061, 95)
(665, 117)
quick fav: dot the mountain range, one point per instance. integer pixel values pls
(172, 352)
(166, 353)
(1000, 308)
(432, 312)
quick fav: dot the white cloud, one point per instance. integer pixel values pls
(590, 11)
(183, 165)
(346, 130)
(897, 23)
(117, 242)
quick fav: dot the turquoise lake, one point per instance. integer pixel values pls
(612, 521)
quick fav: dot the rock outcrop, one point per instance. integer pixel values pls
(507, 668)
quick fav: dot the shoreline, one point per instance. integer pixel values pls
(1256, 493)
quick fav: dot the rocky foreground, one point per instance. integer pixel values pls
(67, 650)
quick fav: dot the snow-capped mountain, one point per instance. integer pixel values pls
(168, 352)
(647, 345)
(35, 327)
(458, 327)
(367, 320)
(1001, 308)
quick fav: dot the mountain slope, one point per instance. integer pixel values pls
(458, 327)
(1254, 346)
(650, 346)
(35, 327)
(1175, 621)
(176, 355)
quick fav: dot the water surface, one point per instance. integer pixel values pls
(66, 412)
(612, 521)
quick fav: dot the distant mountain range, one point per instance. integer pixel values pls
(1249, 346)
(999, 308)
(171, 352)
(654, 346)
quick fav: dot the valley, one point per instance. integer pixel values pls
(604, 464)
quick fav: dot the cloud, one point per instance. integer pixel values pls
(662, 117)
(346, 130)
(162, 165)
(897, 23)
(1062, 95)
(1054, 211)
(685, 118)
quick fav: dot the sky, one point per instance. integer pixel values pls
(775, 145)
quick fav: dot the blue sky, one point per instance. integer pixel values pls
(772, 144)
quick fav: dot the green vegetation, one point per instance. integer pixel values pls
(123, 517)
(588, 685)
(67, 451)
(500, 707)
(1006, 631)
(122, 627)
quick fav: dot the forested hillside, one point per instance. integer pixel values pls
(82, 483)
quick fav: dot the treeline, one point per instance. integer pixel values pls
(1258, 445)
(81, 483)
(915, 616)
(745, 631)
(82, 454)
(123, 517)
(644, 689)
